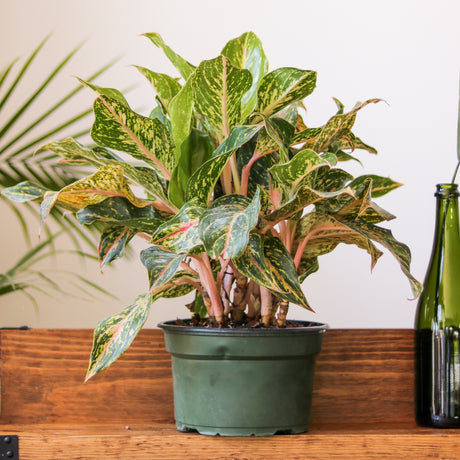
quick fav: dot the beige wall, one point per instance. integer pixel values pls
(406, 52)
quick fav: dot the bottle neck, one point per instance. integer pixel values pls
(447, 224)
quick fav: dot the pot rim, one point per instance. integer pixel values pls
(305, 327)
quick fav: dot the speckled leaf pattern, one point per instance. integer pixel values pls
(384, 237)
(165, 86)
(115, 334)
(117, 126)
(24, 191)
(74, 152)
(107, 182)
(267, 262)
(276, 133)
(305, 196)
(161, 265)
(184, 67)
(202, 182)
(292, 174)
(283, 86)
(380, 185)
(246, 52)
(224, 227)
(324, 233)
(120, 211)
(218, 88)
(338, 126)
(112, 243)
(110, 92)
(180, 233)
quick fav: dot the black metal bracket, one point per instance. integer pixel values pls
(9, 447)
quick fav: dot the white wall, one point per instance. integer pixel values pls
(404, 51)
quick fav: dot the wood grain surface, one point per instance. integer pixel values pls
(362, 406)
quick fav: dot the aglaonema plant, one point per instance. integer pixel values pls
(239, 199)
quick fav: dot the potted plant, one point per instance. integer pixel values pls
(240, 198)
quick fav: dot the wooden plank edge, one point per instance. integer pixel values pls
(144, 442)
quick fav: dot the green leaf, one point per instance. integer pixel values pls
(338, 126)
(74, 152)
(268, 263)
(107, 182)
(180, 233)
(292, 174)
(276, 134)
(246, 52)
(161, 265)
(184, 67)
(218, 88)
(24, 191)
(165, 86)
(380, 185)
(303, 197)
(180, 113)
(323, 233)
(120, 210)
(202, 182)
(224, 227)
(195, 151)
(113, 242)
(399, 250)
(118, 127)
(283, 86)
(115, 334)
(109, 92)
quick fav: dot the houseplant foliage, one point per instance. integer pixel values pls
(23, 128)
(240, 196)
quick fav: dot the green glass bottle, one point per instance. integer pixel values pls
(437, 322)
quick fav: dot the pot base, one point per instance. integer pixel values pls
(237, 431)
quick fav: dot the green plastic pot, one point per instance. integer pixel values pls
(243, 382)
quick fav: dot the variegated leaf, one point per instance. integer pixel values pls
(277, 133)
(110, 92)
(380, 185)
(283, 86)
(112, 243)
(161, 265)
(180, 233)
(115, 334)
(224, 227)
(218, 88)
(353, 142)
(202, 182)
(118, 127)
(306, 267)
(323, 233)
(72, 151)
(24, 191)
(107, 182)
(384, 237)
(184, 67)
(246, 52)
(268, 263)
(121, 211)
(165, 86)
(291, 175)
(259, 177)
(338, 126)
(328, 179)
(305, 196)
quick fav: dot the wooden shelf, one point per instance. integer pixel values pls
(362, 407)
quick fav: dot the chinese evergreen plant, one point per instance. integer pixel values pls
(240, 196)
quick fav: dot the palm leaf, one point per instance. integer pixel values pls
(17, 159)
